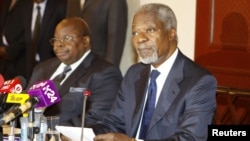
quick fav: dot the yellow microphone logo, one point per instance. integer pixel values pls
(17, 98)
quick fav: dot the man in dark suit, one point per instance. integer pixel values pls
(107, 20)
(184, 102)
(72, 46)
(12, 45)
(52, 12)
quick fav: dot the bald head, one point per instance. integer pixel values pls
(71, 39)
(77, 24)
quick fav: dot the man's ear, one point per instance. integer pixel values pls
(172, 34)
(86, 40)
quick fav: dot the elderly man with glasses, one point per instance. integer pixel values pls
(84, 69)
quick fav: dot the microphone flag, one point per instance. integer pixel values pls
(46, 92)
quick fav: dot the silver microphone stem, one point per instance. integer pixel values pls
(83, 115)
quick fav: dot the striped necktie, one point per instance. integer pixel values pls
(59, 78)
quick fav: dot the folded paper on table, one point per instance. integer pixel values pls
(74, 133)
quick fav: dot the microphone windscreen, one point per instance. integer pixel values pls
(87, 93)
(14, 85)
(22, 81)
(1, 80)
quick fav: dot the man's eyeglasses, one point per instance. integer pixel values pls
(65, 39)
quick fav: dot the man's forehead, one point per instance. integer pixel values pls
(145, 20)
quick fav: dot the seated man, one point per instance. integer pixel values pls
(72, 46)
(178, 105)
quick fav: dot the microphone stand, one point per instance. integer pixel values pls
(1, 132)
(12, 128)
(31, 129)
(11, 136)
(86, 94)
(83, 115)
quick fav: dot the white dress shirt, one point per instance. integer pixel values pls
(73, 67)
(164, 70)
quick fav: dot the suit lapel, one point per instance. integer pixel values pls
(51, 69)
(76, 74)
(140, 91)
(169, 90)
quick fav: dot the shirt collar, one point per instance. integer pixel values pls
(77, 63)
(167, 64)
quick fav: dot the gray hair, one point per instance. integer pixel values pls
(162, 13)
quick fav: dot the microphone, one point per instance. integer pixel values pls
(86, 94)
(2, 97)
(1, 80)
(14, 88)
(17, 99)
(41, 94)
(14, 85)
(46, 92)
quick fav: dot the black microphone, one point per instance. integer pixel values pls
(86, 94)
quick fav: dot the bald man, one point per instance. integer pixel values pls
(72, 47)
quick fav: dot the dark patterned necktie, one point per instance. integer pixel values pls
(35, 36)
(36, 31)
(62, 75)
(150, 104)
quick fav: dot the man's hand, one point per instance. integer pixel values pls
(113, 137)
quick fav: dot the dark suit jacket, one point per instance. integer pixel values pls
(98, 75)
(11, 26)
(107, 20)
(184, 109)
(55, 11)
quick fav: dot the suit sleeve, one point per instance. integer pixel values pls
(114, 121)
(198, 112)
(104, 89)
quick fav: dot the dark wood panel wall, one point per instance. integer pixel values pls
(222, 45)
(222, 40)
